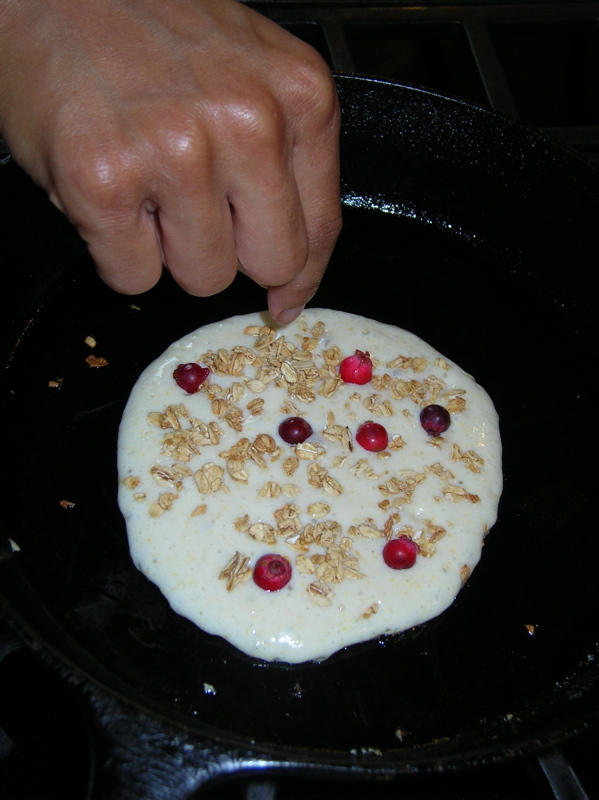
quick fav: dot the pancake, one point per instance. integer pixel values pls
(372, 522)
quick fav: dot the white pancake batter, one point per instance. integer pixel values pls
(207, 485)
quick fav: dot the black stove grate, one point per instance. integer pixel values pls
(536, 62)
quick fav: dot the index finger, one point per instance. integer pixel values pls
(316, 172)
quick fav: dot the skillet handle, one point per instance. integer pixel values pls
(560, 775)
(8, 643)
(143, 757)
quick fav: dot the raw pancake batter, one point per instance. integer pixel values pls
(373, 530)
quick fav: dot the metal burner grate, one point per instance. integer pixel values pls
(536, 62)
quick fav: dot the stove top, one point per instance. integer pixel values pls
(535, 61)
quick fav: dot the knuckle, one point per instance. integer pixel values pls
(106, 180)
(315, 91)
(180, 147)
(280, 265)
(129, 281)
(204, 283)
(331, 226)
(289, 268)
(326, 230)
(308, 286)
(257, 121)
(298, 292)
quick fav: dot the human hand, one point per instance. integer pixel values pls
(194, 133)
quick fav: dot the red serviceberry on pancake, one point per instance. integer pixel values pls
(400, 553)
(295, 430)
(435, 419)
(372, 436)
(272, 572)
(190, 376)
(356, 368)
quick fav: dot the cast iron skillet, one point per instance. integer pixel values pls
(472, 231)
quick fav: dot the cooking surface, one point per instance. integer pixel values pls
(513, 587)
(86, 580)
(51, 729)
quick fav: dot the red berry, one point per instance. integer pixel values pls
(272, 572)
(295, 430)
(356, 368)
(400, 553)
(190, 376)
(372, 436)
(435, 419)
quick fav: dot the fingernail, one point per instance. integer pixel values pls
(289, 314)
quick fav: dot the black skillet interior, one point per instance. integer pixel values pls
(473, 232)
